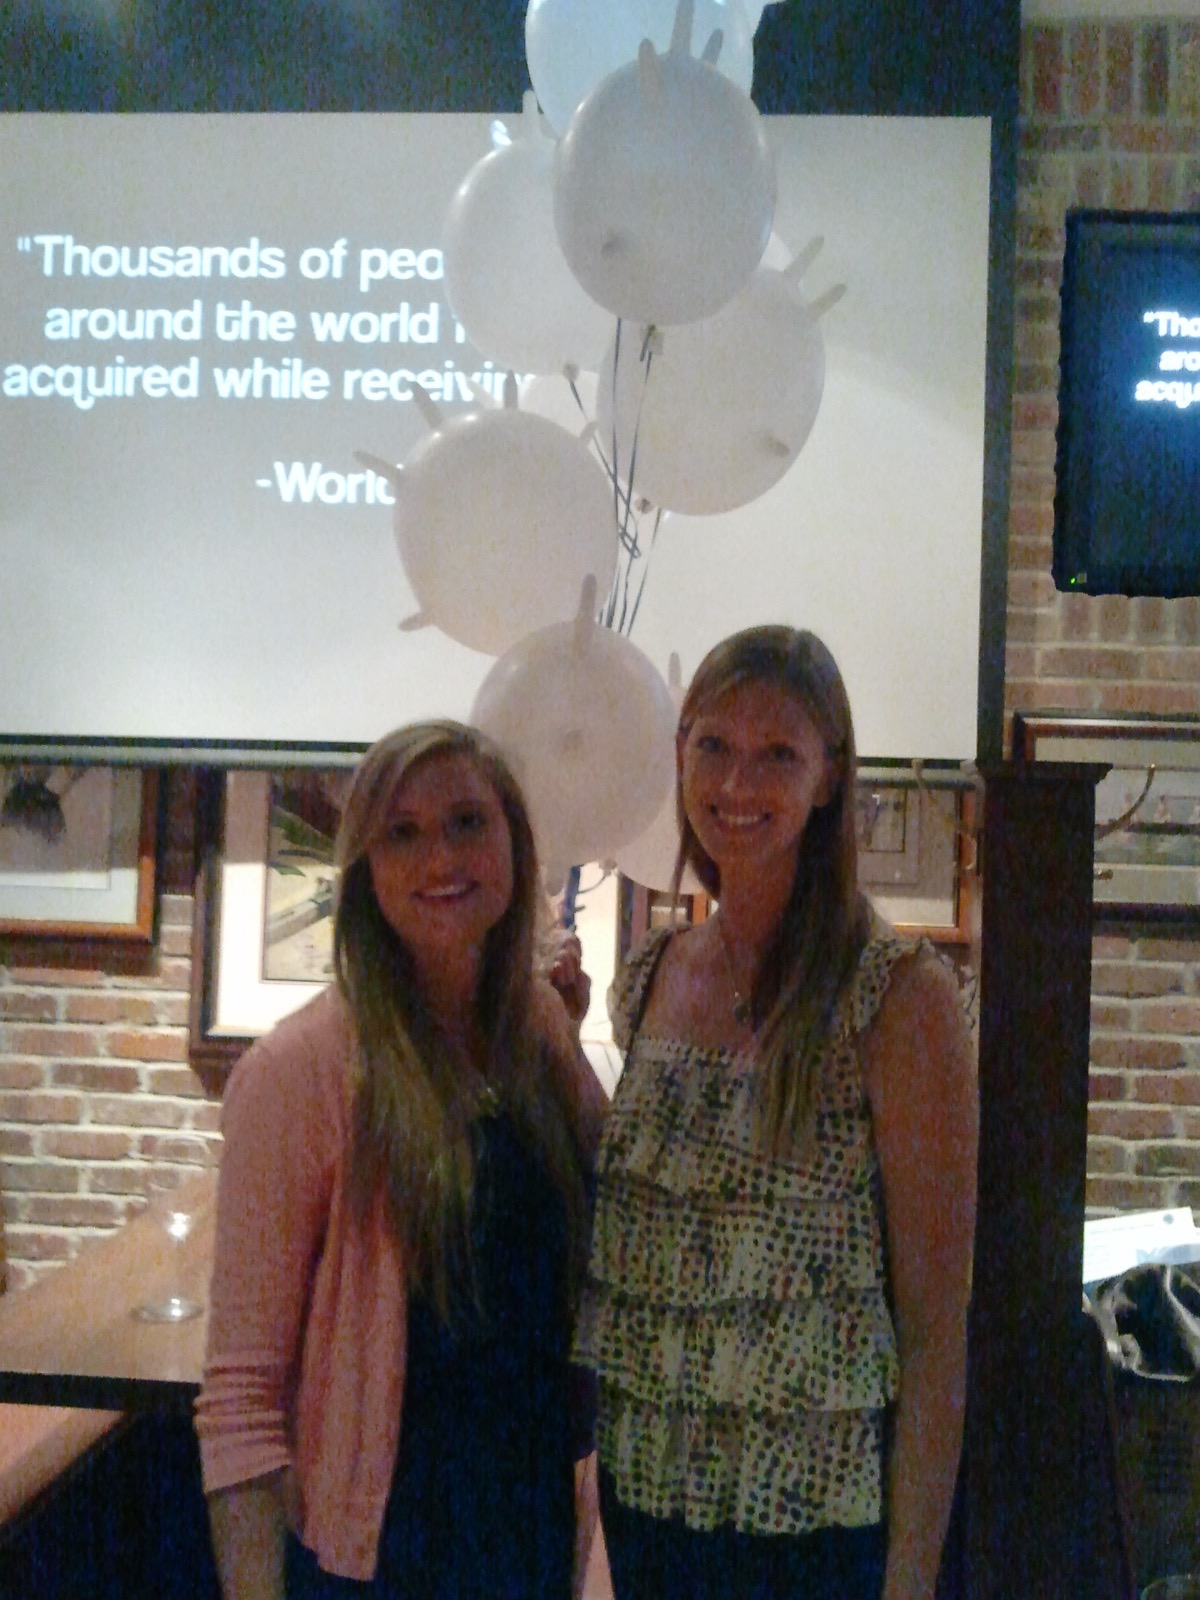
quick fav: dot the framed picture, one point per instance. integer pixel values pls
(1146, 864)
(916, 856)
(264, 902)
(77, 850)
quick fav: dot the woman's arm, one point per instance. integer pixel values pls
(922, 1085)
(281, 1124)
(248, 1528)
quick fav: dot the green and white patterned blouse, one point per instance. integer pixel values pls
(736, 1306)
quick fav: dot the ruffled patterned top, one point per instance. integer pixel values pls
(736, 1306)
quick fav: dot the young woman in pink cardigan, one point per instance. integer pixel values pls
(387, 1405)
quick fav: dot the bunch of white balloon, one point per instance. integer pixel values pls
(643, 189)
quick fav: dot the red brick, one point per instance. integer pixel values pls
(16, 1142)
(1110, 1121)
(1187, 70)
(1156, 69)
(1162, 185)
(1136, 1052)
(1077, 616)
(68, 976)
(41, 1107)
(1089, 661)
(1169, 1016)
(134, 1112)
(1107, 1156)
(1109, 1015)
(1165, 1088)
(179, 1081)
(37, 1245)
(42, 1177)
(1125, 1194)
(75, 1211)
(1153, 947)
(1106, 1086)
(176, 941)
(25, 1006)
(1151, 620)
(1112, 947)
(22, 1074)
(1046, 49)
(1118, 65)
(1186, 617)
(1114, 612)
(1030, 589)
(1169, 699)
(106, 1006)
(93, 1076)
(1083, 69)
(147, 1046)
(1175, 1160)
(192, 1149)
(35, 1040)
(1176, 665)
(125, 1178)
(1031, 521)
(87, 1144)
(206, 1118)
(1134, 979)
(1090, 183)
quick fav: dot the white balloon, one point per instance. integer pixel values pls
(506, 278)
(650, 858)
(551, 395)
(725, 406)
(588, 724)
(664, 190)
(571, 45)
(500, 516)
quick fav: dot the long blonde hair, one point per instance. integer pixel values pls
(824, 924)
(413, 1105)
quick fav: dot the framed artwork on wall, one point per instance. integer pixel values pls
(263, 933)
(1146, 862)
(77, 847)
(916, 856)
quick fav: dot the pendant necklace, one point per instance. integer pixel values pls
(742, 1013)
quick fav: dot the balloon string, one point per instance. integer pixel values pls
(646, 569)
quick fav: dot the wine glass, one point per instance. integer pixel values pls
(175, 1211)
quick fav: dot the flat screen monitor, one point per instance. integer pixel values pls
(1127, 495)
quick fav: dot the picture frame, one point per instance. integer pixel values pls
(917, 856)
(77, 852)
(1147, 850)
(260, 953)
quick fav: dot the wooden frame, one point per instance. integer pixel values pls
(1147, 847)
(77, 852)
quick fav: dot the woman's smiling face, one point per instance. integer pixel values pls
(443, 870)
(753, 767)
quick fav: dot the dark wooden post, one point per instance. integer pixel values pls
(1031, 1526)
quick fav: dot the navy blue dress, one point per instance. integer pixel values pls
(482, 1498)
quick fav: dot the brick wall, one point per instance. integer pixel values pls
(95, 1087)
(1110, 116)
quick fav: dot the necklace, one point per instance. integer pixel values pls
(742, 1013)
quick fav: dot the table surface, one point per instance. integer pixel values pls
(73, 1339)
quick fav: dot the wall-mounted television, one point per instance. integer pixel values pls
(1127, 495)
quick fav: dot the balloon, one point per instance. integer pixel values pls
(499, 518)
(588, 724)
(570, 45)
(664, 189)
(725, 406)
(650, 858)
(506, 279)
(550, 395)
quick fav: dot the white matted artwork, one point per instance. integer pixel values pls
(76, 851)
(273, 926)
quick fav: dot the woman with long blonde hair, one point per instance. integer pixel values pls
(777, 1292)
(387, 1396)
